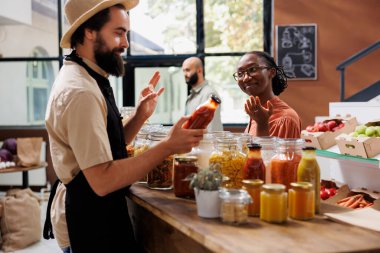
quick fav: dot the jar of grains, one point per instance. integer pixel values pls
(230, 161)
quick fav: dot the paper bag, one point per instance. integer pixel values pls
(20, 221)
(29, 151)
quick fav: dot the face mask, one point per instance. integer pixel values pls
(193, 79)
(107, 59)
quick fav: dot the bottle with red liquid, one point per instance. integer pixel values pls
(203, 115)
(254, 167)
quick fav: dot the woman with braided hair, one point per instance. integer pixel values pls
(262, 80)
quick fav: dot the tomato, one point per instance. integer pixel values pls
(324, 195)
(322, 127)
(331, 124)
(332, 192)
(311, 129)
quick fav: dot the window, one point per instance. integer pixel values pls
(164, 33)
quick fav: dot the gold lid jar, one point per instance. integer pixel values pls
(273, 203)
(183, 167)
(253, 187)
(301, 201)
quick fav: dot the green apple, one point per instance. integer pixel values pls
(370, 131)
(377, 128)
(360, 129)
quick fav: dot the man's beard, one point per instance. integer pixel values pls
(193, 79)
(108, 60)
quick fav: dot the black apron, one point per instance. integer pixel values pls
(100, 224)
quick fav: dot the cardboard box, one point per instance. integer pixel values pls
(365, 147)
(368, 217)
(325, 140)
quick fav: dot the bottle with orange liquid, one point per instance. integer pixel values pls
(284, 164)
(203, 115)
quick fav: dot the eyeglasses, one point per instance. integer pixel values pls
(249, 71)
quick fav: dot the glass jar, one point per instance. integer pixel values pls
(234, 205)
(204, 150)
(253, 187)
(309, 171)
(254, 167)
(273, 203)
(161, 177)
(268, 150)
(243, 140)
(301, 201)
(229, 160)
(284, 164)
(183, 167)
(126, 112)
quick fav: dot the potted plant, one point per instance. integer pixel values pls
(206, 184)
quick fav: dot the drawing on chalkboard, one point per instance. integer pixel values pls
(296, 50)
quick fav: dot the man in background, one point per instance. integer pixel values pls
(200, 91)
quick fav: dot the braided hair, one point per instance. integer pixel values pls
(280, 80)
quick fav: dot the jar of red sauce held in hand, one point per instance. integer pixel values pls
(284, 164)
(254, 167)
(203, 115)
(183, 167)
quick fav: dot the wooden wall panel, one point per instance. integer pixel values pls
(344, 28)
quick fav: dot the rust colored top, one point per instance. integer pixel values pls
(284, 121)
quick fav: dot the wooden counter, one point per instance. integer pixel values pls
(164, 223)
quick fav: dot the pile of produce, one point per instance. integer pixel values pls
(366, 131)
(326, 125)
(7, 151)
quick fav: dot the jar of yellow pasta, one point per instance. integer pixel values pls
(230, 161)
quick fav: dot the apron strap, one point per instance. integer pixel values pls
(48, 228)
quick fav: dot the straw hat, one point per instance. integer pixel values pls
(79, 11)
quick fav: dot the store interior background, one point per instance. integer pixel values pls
(344, 27)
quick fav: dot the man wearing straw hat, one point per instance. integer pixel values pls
(87, 138)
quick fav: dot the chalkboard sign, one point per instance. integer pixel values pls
(296, 50)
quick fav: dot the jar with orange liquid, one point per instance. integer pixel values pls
(253, 187)
(273, 203)
(284, 164)
(301, 201)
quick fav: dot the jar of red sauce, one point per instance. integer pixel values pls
(183, 167)
(254, 167)
(284, 164)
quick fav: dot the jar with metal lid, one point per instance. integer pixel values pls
(183, 167)
(285, 163)
(234, 205)
(230, 161)
(253, 187)
(254, 167)
(301, 201)
(204, 150)
(161, 177)
(273, 203)
(268, 150)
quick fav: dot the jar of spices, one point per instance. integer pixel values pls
(183, 167)
(254, 167)
(253, 187)
(301, 201)
(273, 203)
(309, 171)
(160, 177)
(234, 205)
(284, 164)
(230, 161)
(268, 150)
